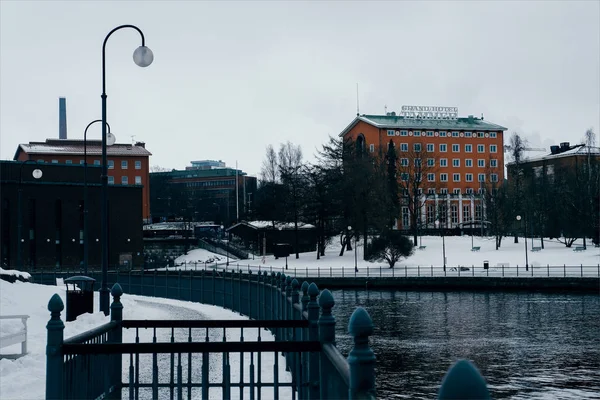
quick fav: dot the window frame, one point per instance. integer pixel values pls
(454, 177)
(457, 147)
(124, 180)
(481, 148)
(469, 177)
(443, 177)
(456, 162)
(445, 147)
(124, 164)
(443, 162)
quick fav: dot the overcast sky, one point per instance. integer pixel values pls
(229, 78)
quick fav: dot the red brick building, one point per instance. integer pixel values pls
(458, 155)
(127, 164)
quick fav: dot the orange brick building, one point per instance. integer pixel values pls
(457, 158)
(127, 164)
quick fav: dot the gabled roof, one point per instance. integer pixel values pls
(577, 150)
(75, 147)
(399, 122)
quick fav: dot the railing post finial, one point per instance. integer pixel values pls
(54, 357)
(313, 335)
(295, 293)
(305, 297)
(326, 320)
(463, 381)
(116, 308)
(361, 358)
(288, 286)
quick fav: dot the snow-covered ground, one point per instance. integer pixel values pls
(25, 377)
(506, 260)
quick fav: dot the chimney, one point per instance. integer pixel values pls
(140, 144)
(62, 118)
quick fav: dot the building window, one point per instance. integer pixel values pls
(418, 162)
(124, 180)
(111, 180)
(403, 133)
(454, 213)
(466, 213)
(493, 148)
(431, 162)
(481, 177)
(444, 177)
(480, 134)
(417, 133)
(40, 161)
(430, 147)
(371, 149)
(470, 190)
(403, 146)
(138, 180)
(493, 163)
(480, 148)
(443, 162)
(124, 164)
(430, 213)
(456, 177)
(82, 162)
(404, 176)
(468, 148)
(417, 147)
(96, 162)
(54, 161)
(430, 133)
(468, 134)
(443, 147)
(494, 177)
(493, 135)
(454, 134)
(68, 162)
(468, 162)
(456, 162)
(478, 212)
(418, 178)
(430, 191)
(456, 191)
(442, 133)
(456, 148)
(405, 217)
(390, 132)
(481, 163)
(404, 162)
(469, 177)
(431, 177)
(444, 191)
(111, 164)
(480, 191)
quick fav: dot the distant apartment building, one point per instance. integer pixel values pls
(208, 190)
(459, 156)
(128, 164)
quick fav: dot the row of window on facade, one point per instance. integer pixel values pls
(456, 177)
(111, 163)
(443, 147)
(441, 214)
(491, 135)
(405, 162)
(444, 191)
(124, 180)
(228, 182)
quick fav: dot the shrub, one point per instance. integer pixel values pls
(390, 246)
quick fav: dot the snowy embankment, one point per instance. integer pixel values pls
(25, 378)
(458, 249)
(12, 275)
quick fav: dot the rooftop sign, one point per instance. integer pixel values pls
(429, 112)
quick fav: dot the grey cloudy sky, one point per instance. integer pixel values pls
(229, 78)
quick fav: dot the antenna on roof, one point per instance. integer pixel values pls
(132, 141)
(385, 109)
(357, 110)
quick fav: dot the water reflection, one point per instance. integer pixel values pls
(527, 345)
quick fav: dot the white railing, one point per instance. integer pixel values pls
(15, 337)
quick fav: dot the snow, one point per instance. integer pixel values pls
(175, 225)
(200, 256)
(24, 378)
(269, 224)
(14, 272)
(549, 261)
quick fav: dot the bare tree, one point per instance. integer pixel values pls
(290, 163)
(270, 166)
(517, 148)
(158, 168)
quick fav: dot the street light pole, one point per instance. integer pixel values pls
(355, 254)
(143, 57)
(85, 196)
(437, 224)
(525, 240)
(19, 215)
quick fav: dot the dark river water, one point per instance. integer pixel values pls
(526, 345)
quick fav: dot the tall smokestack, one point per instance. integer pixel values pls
(62, 118)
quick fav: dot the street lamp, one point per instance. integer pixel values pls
(37, 174)
(525, 240)
(143, 57)
(355, 256)
(437, 225)
(110, 141)
(227, 246)
(286, 254)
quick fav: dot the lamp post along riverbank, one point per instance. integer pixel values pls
(143, 57)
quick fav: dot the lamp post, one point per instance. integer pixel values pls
(227, 246)
(525, 240)
(110, 142)
(286, 254)
(437, 224)
(355, 256)
(37, 174)
(143, 57)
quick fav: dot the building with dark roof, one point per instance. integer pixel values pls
(459, 156)
(127, 164)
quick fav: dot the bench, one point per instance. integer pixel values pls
(536, 248)
(579, 248)
(16, 337)
(477, 248)
(422, 247)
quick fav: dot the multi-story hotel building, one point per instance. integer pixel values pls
(128, 164)
(455, 159)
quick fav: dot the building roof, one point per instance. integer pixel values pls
(577, 150)
(200, 173)
(400, 122)
(269, 225)
(75, 147)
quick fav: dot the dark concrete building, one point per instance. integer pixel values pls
(51, 217)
